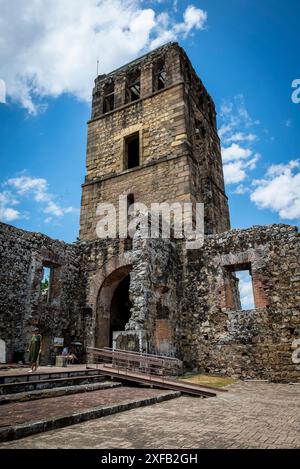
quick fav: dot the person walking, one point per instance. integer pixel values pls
(35, 349)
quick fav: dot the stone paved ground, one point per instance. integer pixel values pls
(33, 411)
(251, 415)
(13, 370)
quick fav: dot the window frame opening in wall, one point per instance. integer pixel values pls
(132, 151)
(45, 285)
(159, 76)
(250, 293)
(51, 273)
(108, 97)
(233, 292)
(133, 87)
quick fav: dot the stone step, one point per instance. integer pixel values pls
(21, 419)
(55, 392)
(39, 384)
(36, 376)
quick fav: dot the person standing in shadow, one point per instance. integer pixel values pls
(34, 350)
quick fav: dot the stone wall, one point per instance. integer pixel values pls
(217, 338)
(153, 268)
(142, 182)
(153, 117)
(183, 303)
(153, 290)
(104, 264)
(22, 305)
(205, 162)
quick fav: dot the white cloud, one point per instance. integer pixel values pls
(241, 189)
(237, 142)
(235, 152)
(240, 137)
(26, 184)
(246, 290)
(2, 92)
(193, 18)
(226, 108)
(7, 213)
(236, 161)
(234, 172)
(35, 189)
(280, 190)
(51, 47)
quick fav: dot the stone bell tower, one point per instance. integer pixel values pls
(153, 137)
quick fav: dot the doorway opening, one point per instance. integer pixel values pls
(120, 308)
(113, 306)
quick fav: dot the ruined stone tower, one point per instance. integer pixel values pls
(153, 137)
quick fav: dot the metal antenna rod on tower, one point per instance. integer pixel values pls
(97, 66)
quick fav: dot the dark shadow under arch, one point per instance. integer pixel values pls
(113, 306)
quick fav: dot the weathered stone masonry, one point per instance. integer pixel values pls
(257, 343)
(180, 157)
(22, 256)
(154, 294)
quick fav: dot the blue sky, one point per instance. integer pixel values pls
(244, 51)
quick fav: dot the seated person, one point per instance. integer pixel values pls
(71, 357)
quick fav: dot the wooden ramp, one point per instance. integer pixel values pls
(145, 369)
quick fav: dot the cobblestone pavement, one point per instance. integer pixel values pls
(32, 411)
(250, 415)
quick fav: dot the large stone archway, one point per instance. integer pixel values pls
(113, 306)
(105, 283)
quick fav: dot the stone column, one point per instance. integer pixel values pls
(146, 80)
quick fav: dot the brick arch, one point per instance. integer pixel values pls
(103, 286)
(115, 263)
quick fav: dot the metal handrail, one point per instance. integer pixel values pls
(124, 360)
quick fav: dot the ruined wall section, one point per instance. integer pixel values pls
(154, 288)
(22, 305)
(100, 259)
(153, 265)
(217, 338)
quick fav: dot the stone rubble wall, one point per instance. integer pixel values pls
(100, 259)
(250, 344)
(180, 298)
(153, 289)
(22, 306)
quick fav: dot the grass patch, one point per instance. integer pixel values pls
(208, 380)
